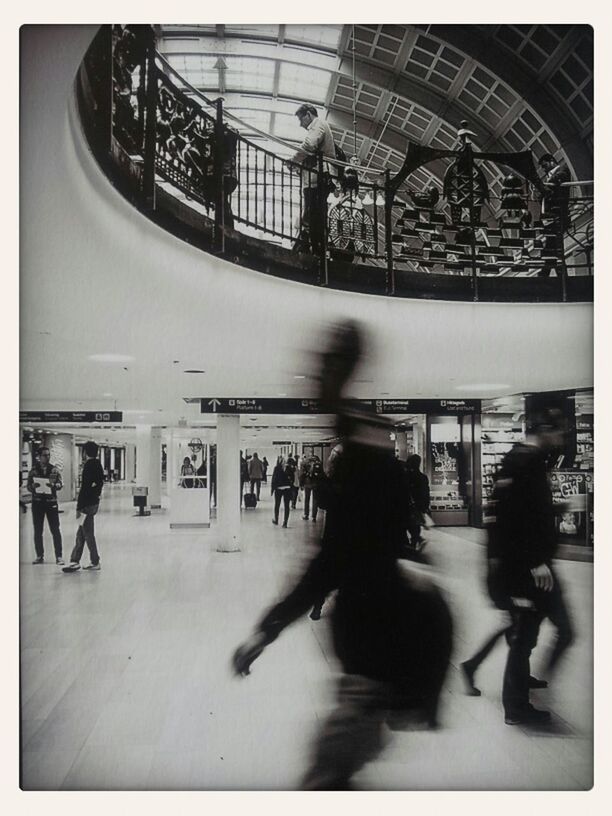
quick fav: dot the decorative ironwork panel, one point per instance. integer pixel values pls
(129, 57)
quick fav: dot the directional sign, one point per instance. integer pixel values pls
(70, 416)
(288, 405)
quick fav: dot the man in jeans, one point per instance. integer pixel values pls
(44, 481)
(88, 502)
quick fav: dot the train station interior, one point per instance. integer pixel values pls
(180, 271)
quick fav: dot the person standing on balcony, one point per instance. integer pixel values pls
(318, 139)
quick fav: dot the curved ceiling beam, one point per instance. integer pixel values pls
(479, 43)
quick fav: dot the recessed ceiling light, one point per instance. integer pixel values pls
(299, 376)
(107, 394)
(281, 395)
(194, 371)
(111, 358)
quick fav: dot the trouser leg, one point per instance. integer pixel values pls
(277, 501)
(287, 501)
(522, 638)
(90, 538)
(474, 662)
(559, 616)
(52, 512)
(351, 736)
(307, 492)
(257, 487)
(79, 543)
(38, 519)
(315, 506)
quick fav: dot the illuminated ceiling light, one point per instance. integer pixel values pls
(299, 376)
(107, 394)
(111, 358)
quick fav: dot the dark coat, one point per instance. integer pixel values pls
(386, 624)
(523, 534)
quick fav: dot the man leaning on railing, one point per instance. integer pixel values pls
(319, 139)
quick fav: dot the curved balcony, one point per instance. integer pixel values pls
(180, 159)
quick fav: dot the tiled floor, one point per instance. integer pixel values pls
(126, 681)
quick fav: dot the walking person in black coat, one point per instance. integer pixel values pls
(521, 545)
(418, 500)
(282, 487)
(389, 663)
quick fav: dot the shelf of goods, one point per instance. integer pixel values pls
(499, 433)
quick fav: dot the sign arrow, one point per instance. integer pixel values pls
(214, 402)
(221, 67)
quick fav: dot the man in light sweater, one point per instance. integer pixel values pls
(319, 139)
(88, 501)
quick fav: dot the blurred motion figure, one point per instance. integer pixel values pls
(391, 631)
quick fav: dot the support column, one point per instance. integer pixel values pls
(143, 454)
(130, 463)
(228, 482)
(402, 446)
(155, 469)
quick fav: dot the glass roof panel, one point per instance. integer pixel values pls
(299, 82)
(327, 36)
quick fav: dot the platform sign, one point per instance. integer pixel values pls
(288, 405)
(70, 416)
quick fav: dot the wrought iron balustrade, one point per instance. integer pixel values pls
(162, 134)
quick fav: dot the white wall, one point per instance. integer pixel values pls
(101, 278)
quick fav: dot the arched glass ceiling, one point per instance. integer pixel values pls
(518, 85)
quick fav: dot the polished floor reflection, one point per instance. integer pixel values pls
(126, 681)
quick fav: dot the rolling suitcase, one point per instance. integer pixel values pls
(250, 500)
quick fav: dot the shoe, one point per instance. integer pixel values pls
(73, 566)
(40, 560)
(285, 525)
(314, 520)
(92, 567)
(534, 683)
(315, 614)
(304, 518)
(60, 562)
(274, 521)
(527, 715)
(468, 678)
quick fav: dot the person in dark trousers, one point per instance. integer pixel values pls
(470, 667)
(390, 665)
(312, 475)
(281, 487)
(256, 473)
(418, 500)
(266, 465)
(88, 502)
(521, 545)
(244, 475)
(44, 480)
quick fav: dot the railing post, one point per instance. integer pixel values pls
(219, 179)
(320, 219)
(389, 197)
(562, 268)
(150, 131)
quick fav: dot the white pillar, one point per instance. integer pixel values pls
(130, 462)
(143, 455)
(155, 469)
(228, 482)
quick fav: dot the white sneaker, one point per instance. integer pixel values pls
(60, 562)
(92, 567)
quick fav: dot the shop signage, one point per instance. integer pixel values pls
(70, 416)
(288, 405)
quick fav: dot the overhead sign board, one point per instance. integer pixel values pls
(289, 405)
(70, 416)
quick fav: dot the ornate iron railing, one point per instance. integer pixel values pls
(162, 134)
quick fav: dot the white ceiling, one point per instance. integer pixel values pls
(97, 278)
